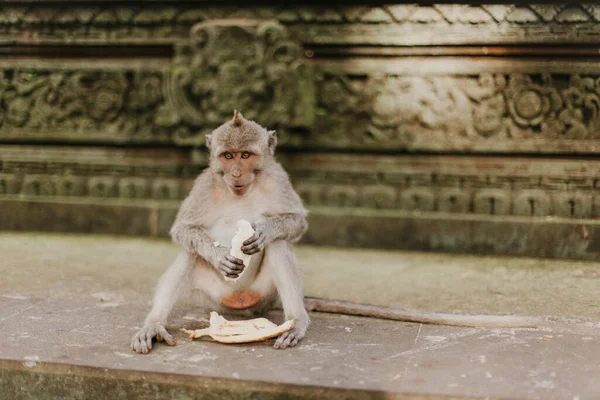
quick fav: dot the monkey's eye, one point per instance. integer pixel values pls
(245, 155)
(228, 156)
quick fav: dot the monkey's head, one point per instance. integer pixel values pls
(239, 151)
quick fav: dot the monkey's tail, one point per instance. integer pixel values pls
(400, 314)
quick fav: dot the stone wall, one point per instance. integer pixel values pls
(436, 127)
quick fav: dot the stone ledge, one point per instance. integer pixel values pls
(123, 270)
(330, 226)
(69, 305)
(20, 380)
(79, 350)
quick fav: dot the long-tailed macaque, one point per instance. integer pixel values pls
(243, 181)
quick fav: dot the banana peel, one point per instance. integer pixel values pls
(247, 331)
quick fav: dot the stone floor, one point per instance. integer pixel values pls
(70, 304)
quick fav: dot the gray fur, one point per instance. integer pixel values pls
(289, 227)
(239, 133)
(282, 222)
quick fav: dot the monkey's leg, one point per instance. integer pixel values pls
(170, 286)
(281, 261)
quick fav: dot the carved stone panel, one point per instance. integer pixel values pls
(487, 112)
(269, 62)
(232, 64)
(492, 187)
(415, 111)
(165, 22)
(539, 113)
(466, 190)
(488, 187)
(253, 66)
(90, 173)
(90, 105)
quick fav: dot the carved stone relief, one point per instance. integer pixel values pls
(410, 111)
(232, 64)
(331, 78)
(488, 112)
(491, 201)
(79, 105)
(165, 22)
(464, 190)
(163, 13)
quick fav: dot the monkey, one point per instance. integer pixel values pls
(242, 181)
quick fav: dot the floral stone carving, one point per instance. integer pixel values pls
(79, 104)
(232, 64)
(424, 111)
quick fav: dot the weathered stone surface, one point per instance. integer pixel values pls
(49, 216)
(462, 185)
(488, 112)
(398, 24)
(507, 83)
(350, 105)
(70, 304)
(521, 206)
(332, 365)
(250, 65)
(124, 270)
(452, 102)
(329, 226)
(430, 232)
(76, 382)
(483, 186)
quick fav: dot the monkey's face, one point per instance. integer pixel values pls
(238, 169)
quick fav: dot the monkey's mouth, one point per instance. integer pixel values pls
(239, 189)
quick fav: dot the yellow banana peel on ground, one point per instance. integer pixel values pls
(247, 331)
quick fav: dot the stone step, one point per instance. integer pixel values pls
(125, 269)
(69, 306)
(394, 229)
(79, 349)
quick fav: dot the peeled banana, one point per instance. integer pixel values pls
(243, 233)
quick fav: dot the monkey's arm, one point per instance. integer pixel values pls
(197, 241)
(188, 230)
(286, 220)
(170, 285)
(289, 227)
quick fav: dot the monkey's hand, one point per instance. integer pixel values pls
(257, 242)
(142, 341)
(290, 338)
(228, 265)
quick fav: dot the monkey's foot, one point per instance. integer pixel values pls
(142, 341)
(290, 338)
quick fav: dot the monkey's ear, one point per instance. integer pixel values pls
(272, 141)
(209, 141)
